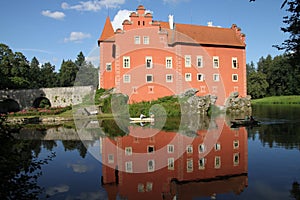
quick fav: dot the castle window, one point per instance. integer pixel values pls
(169, 78)
(234, 77)
(187, 59)
(169, 64)
(151, 165)
(170, 163)
(149, 78)
(216, 77)
(128, 151)
(137, 40)
(146, 40)
(189, 165)
(217, 162)
(199, 61)
(170, 148)
(148, 62)
(126, 78)
(234, 63)
(201, 148)
(236, 159)
(126, 62)
(128, 166)
(150, 149)
(216, 61)
(188, 77)
(200, 77)
(201, 163)
(189, 149)
(108, 67)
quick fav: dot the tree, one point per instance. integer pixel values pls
(80, 61)
(257, 84)
(67, 73)
(48, 78)
(34, 72)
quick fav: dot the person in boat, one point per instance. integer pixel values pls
(142, 116)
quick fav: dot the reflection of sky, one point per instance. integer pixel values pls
(69, 176)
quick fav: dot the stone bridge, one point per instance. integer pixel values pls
(15, 100)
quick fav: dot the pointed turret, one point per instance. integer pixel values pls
(107, 33)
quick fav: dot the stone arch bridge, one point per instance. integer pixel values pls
(14, 100)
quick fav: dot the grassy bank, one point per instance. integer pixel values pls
(284, 100)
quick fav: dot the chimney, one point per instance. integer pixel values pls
(171, 22)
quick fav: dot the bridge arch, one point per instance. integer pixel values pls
(9, 105)
(41, 102)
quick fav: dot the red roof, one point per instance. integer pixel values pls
(108, 32)
(206, 35)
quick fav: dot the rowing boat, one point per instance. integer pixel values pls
(138, 120)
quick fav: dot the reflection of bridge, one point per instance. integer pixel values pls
(12, 100)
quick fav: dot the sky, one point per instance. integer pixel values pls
(54, 31)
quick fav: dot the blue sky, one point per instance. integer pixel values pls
(60, 29)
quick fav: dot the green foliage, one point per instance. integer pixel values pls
(278, 100)
(273, 77)
(67, 73)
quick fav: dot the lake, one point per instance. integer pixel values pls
(187, 158)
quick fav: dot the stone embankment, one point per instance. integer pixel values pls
(238, 105)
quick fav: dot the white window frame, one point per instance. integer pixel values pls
(150, 146)
(189, 165)
(234, 63)
(169, 62)
(217, 162)
(128, 151)
(169, 78)
(187, 61)
(110, 158)
(236, 162)
(151, 168)
(202, 164)
(137, 39)
(146, 40)
(201, 148)
(149, 186)
(141, 187)
(148, 58)
(108, 67)
(202, 77)
(126, 62)
(171, 163)
(217, 147)
(128, 167)
(216, 62)
(170, 148)
(216, 77)
(236, 144)
(149, 75)
(189, 149)
(126, 78)
(201, 61)
(233, 77)
(188, 79)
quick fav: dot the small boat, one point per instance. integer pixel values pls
(138, 119)
(244, 122)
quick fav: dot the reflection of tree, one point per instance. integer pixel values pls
(112, 129)
(20, 166)
(73, 145)
(295, 191)
(282, 135)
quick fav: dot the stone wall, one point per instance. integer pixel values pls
(61, 96)
(238, 105)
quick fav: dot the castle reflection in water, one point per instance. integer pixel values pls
(153, 164)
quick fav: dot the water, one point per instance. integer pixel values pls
(191, 160)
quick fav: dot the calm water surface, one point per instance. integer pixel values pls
(109, 160)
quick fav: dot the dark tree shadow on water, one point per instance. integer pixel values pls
(20, 166)
(295, 191)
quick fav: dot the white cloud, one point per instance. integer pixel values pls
(119, 18)
(77, 37)
(57, 189)
(54, 15)
(93, 5)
